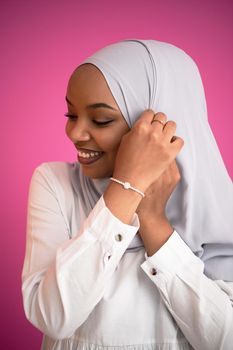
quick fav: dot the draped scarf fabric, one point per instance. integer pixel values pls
(144, 74)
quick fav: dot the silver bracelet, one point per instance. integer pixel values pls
(127, 186)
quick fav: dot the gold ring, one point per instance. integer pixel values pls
(160, 121)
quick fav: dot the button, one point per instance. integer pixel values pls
(153, 271)
(107, 257)
(118, 237)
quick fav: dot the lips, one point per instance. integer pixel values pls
(91, 159)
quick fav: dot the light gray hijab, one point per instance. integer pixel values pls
(145, 74)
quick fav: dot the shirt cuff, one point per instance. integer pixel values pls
(170, 260)
(108, 229)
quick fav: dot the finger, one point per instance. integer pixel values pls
(148, 115)
(156, 121)
(178, 143)
(169, 130)
(145, 117)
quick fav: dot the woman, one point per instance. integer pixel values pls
(131, 247)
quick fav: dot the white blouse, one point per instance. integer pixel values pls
(83, 290)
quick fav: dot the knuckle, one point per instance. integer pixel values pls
(141, 128)
(149, 110)
(147, 113)
(154, 136)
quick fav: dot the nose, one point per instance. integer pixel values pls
(78, 131)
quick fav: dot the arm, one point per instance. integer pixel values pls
(201, 307)
(63, 280)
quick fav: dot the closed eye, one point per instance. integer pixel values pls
(102, 123)
(73, 117)
(69, 116)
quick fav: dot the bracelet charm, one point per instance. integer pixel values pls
(126, 186)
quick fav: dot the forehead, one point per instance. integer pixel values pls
(87, 71)
(88, 83)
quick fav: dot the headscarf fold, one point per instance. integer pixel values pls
(144, 74)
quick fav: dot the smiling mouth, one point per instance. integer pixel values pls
(90, 157)
(89, 153)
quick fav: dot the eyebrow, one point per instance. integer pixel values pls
(95, 105)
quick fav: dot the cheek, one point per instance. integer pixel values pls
(112, 139)
(111, 142)
(67, 131)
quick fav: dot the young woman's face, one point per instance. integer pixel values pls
(95, 124)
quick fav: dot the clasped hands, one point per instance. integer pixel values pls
(146, 159)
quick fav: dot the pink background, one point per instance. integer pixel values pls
(42, 42)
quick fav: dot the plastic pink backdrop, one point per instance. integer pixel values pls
(42, 42)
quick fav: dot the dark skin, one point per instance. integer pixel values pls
(151, 210)
(122, 156)
(87, 86)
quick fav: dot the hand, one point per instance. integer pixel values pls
(153, 205)
(155, 229)
(146, 151)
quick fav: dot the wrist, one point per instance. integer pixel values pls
(121, 202)
(127, 186)
(132, 179)
(157, 219)
(154, 233)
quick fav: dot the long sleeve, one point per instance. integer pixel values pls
(201, 307)
(64, 279)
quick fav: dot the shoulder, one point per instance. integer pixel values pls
(56, 174)
(53, 191)
(57, 169)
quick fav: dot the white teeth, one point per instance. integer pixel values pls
(89, 155)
